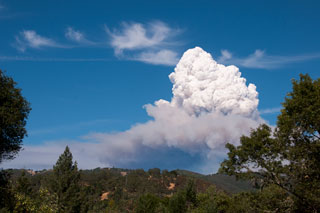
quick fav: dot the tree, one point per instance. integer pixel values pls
(289, 156)
(214, 201)
(7, 200)
(147, 203)
(184, 200)
(23, 184)
(177, 203)
(191, 194)
(65, 183)
(14, 110)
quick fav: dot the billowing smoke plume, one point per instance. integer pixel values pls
(211, 106)
(200, 85)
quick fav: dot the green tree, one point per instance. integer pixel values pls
(46, 202)
(147, 203)
(191, 194)
(14, 110)
(184, 200)
(7, 199)
(65, 183)
(213, 201)
(177, 203)
(287, 157)
(23, 185)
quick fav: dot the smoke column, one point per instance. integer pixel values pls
(211, 106)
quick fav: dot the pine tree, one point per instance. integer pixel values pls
(65, 183)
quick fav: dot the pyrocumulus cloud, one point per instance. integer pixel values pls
(211, 106)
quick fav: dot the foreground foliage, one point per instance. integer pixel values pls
(14, 110)
(289, 156)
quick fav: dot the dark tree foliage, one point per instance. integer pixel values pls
(289, 156)
(184, 200)
(65, 183)
(6, 194)
(191, 194)
(177, 203)
(14, 110)
(23, 184)
(155, 172)
(147, 203)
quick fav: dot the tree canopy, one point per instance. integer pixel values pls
(289, 155)
(65, 183)
(14, 110)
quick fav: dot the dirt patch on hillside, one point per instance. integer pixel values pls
(171, 186)
(104, 196)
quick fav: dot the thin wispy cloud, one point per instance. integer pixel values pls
(260, 60)
(150, 43)
(164, 57)
(138, 36)
(30, 39)
(270, 110)
(77, 36)
(37, 59)
(146, 43)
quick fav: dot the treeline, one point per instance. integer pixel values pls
(67, 189)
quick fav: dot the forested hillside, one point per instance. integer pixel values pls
(120, 189)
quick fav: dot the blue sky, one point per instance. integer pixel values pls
(89, 67)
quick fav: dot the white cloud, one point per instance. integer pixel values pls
(77, 36)
(138, 36)
(259, 59)
(164, 57)
(23, 58)
(211, 106)
(147, 43)
(270, 110)
(225, 55)
(29, 38)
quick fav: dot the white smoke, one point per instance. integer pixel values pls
(211, 106)
(200, 85)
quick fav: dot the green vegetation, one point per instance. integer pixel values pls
(14, 110)
(64, 183)
(289, 156)
(107, 189)
(279, 171)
